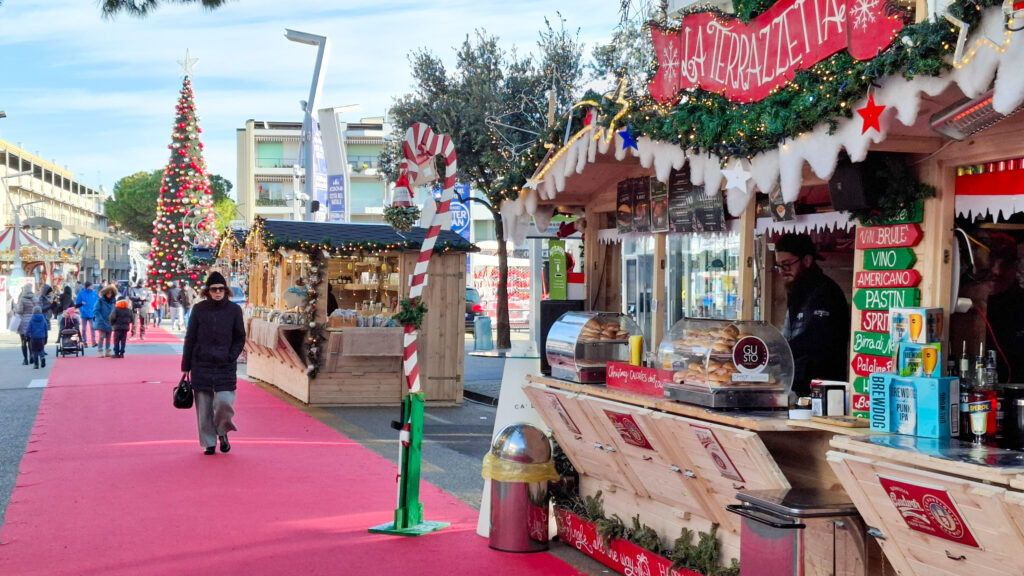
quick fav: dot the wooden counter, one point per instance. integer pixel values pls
(937, 507)
(362, 366)
(678, 465)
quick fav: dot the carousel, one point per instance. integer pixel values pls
(40, 260)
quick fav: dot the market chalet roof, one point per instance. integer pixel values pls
(341, 234)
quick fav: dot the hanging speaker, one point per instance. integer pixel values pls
(847, 188)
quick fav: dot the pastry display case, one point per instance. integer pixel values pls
(580, 344)
(727, 364)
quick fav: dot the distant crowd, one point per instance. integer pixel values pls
(105, 315)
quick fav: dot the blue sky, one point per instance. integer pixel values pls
(97, 96)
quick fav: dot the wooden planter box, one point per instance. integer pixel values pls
(621, 555)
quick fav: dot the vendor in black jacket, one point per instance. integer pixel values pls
(213, 341)
(817, 317)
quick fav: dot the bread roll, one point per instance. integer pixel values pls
(679, 377)
(731, 331)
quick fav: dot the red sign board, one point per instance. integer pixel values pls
(887, 279)
(637, 379)
(746, 62)
(874, 321)
(928, 510)
(895, 236)
(718, 455)
(866, 364)
(861, 403)
(628, 429)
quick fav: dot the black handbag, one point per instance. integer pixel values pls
(183, 395)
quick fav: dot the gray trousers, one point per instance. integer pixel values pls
(214, 412)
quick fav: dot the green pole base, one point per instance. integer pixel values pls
(425, 527)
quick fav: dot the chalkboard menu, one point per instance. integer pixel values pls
(641, 204)
(659, 206)
(690, 209)
(624, 207)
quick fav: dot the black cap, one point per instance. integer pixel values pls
(216, 278)
(798, 245)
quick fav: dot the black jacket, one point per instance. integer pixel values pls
(67, 300)
(817, 328)
(213, 341)
(121, 319)
(174, 297)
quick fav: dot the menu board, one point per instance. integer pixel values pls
(690, 209)
(659, 206)
(624, 207)
(680, 211)
(641, 204)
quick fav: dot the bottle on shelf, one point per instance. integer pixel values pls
(982, 402)
(992, 375)
(966, 384)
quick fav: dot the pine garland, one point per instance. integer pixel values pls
(401, 218)
(410, 313)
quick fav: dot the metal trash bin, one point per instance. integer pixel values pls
(482, 339)
(519, 467)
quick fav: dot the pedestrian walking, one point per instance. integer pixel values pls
(121, 322)
(24, 308)
(175, 307)
(188, 299)
(86, 304)
(38, 331)
(147, 311)
(46, 303)
(213, 341)
(139, 295)
(66, 300)
(159, 306)
(104, 307)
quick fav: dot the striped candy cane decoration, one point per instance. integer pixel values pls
(419, 148)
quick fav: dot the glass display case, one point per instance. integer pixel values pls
(580, 344)
(727, 364)
(702, 276)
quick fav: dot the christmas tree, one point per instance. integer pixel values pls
(184, 211)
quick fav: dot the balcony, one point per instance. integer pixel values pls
(276, 162)
(272, 202)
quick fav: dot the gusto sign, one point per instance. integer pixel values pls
(745, 62)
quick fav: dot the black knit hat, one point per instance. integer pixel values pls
(214, 279)
(798, 245)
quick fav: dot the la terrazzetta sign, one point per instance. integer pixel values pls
(746, 62)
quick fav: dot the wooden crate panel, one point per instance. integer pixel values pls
(724, 458)
(370, 342)
(987, 515)
(270, 369)
(582, 443)
(364, 388)
(665, 479)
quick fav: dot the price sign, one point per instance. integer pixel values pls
(887, 279)
(885, 298)
(874, 321)
(872, 343)
(895, 236)
(866, 364)
(889, 259)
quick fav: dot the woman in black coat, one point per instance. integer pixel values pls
(213, 341)
(67, 300)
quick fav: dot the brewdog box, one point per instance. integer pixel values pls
(915, 406)
(918, 325)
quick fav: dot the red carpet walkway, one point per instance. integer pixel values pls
(114, 482)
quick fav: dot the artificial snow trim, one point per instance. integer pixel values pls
(609, 236)
(806, 223)
(971, 206)
(818, 148)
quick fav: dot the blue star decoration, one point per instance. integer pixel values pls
(627, 137)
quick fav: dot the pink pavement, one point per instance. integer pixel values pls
(114, 482)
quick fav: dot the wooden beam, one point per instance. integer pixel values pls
(746, 263)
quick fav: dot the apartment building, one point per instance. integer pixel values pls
(63, 212)
(267, 180)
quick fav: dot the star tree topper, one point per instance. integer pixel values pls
(187, 64)
(871, 114)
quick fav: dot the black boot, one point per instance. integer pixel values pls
(43, 360)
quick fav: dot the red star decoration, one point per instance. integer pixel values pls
(870, 113)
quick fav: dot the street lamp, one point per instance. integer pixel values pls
(298, 197)
(3, 114)
(311, 105)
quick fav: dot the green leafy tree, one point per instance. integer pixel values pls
(489, 82)
(133, 205)
(142, 8)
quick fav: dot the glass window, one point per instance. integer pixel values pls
(270, 155)
(702, 276)
(638, 279)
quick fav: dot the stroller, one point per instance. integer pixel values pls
(70, 340)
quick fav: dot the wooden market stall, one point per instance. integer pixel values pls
(297, 270)
(932, 506)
